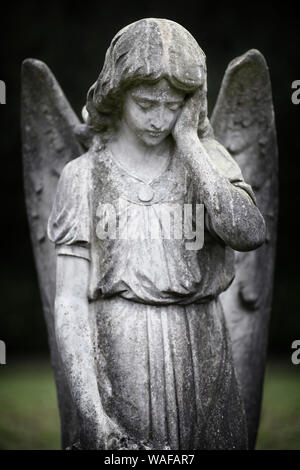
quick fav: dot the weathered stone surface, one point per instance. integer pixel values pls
(141, 350)
(47, 118)
(243, 121)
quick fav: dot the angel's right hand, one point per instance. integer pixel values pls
(100, 433)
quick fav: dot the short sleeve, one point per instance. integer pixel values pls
(228, 166)
(69, 221)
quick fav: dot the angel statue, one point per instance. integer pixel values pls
(157, 342)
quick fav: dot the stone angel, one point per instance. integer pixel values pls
(154, 344)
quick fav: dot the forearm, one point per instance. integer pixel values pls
(75, 345)
(233, 216)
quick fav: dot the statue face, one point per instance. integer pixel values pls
(150, 111)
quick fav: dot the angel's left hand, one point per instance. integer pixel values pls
(188, 119)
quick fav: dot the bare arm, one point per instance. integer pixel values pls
(75, 346)
(233, 216)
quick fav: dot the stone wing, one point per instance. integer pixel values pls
(49, 142)
(243, 121)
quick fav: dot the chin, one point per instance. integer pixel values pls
(152, 141)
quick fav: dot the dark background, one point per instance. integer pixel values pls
(72, 39)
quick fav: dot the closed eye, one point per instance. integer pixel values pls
(174, 106)
(145, 104)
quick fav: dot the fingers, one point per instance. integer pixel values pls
(193, 105)
(113, 442)
(188, 119)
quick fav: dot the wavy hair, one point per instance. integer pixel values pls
(147, 51)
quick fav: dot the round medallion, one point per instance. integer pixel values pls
(146, 193)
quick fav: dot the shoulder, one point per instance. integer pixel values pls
(222, 158)
(78, 166)
(75, 176)
(227, 165)
(69, 219)
(74, 182)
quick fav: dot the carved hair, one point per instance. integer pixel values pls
(147, 51)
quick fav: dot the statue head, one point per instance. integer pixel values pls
(143, 54)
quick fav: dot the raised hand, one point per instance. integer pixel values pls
(188, 119)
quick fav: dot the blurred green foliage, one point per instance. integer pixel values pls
(28, 407)
(280, 416)
(29, 417)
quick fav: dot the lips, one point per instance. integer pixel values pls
(155, 133)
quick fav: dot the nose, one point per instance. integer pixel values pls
(158, 119)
